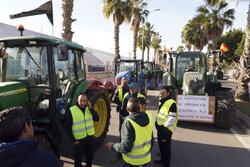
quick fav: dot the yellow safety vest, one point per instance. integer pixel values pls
(126, 94)
(141, 151)
(82, 123)
(163, 114)
(120, 93)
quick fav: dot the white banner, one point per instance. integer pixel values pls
(194, 108)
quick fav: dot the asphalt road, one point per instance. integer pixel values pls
(193, 144)
(231, 83)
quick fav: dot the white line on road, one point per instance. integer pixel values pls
(243, 141)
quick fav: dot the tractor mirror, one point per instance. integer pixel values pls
(62, 53)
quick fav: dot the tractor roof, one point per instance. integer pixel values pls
(124, 60)
(14, 40)
(191, 54)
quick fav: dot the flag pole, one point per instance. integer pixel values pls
(52, 30)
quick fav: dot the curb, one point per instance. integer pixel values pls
(243, 121)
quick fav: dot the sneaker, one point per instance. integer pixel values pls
(116, 159)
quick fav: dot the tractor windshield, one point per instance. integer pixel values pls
(190, 62)
(22, 63)
(148, 66)
(127, 66)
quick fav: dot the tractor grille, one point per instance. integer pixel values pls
(193, 76)
(193, 83)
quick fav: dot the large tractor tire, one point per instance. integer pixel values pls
(99, 99)
(225, 110)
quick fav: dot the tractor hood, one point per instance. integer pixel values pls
(126, 74)
(13, 94)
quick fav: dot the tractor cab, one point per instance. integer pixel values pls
(190, 70)
(131, 69)
(149, 66)
(45, 72)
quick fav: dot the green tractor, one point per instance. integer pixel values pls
(189, 75)
(45, 76)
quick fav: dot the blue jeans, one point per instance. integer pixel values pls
(129, 165)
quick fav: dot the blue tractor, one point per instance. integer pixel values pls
(133, 71)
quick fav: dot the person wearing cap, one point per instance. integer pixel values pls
(133, 92)
(137, 137)
(166, 122)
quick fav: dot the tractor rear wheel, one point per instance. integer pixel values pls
(225, 112)
(101, 104)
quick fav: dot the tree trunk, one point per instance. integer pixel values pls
(154, 59)
(143, 50)
(213, 60)
(67, 8)
(148, 50)
(116, 32)
(242, 92)
(135, 38)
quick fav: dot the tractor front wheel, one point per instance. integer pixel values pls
(100, 101)
(225, 112)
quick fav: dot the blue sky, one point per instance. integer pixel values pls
(93, 30)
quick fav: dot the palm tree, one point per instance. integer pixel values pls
(244, 79)
(141, 41)
(180, 48)
(194, 34)
(121, 11)
(160, 57)
(214, 17)
(186, 36)
(156, 41)
(148, 31)
(139, 15)
(67, 9)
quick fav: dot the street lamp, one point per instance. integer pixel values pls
(144, 28)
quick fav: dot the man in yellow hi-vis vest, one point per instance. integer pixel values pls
(120, 92)
(137, 136)
(166, 122)
(80, 128)
(133, 92)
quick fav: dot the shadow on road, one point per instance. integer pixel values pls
(207, 155)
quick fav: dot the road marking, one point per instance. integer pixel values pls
(243, 141)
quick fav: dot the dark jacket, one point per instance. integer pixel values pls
(24, 153)
(123, 112)
(128, 133)
(172, 109)
(116, 97)
(69, 121)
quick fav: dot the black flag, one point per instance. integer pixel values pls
(43, 9)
